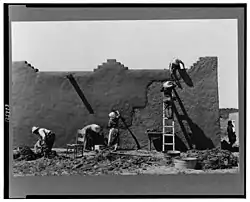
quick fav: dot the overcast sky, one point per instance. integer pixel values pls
(149, 44)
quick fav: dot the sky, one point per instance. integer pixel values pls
(147, 44)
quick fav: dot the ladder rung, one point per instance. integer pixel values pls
(168, 143)
(169, 126)
(168, 134)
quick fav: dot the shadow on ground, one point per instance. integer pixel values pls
(226, 146)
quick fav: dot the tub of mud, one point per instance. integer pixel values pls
(173, 153)
(185, 163)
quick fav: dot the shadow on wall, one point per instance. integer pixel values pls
(184, 75)
(179, 145)
(197, 137)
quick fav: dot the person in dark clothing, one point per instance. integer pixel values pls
(175, 65)
(90, 134)
(231, 133)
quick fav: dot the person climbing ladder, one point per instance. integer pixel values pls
(167, 90)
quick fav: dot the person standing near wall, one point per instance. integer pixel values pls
(45, 141)
(231, 132)
(114, 138)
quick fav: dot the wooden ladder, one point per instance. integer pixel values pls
(168, 124)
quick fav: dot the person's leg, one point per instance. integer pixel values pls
(110, 136)
(91, 142)
(37, 146)
(88, 141)
(49, 144)
(230, 139)
(51, 141)
(170, 111)
(116, 139)
(84, 142)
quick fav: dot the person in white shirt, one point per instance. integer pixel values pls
(113, 125)
(46, 139)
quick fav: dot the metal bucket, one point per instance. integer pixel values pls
(186, 163)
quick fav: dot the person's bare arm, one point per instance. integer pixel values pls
(182, 63)
(42, 134)
(118, 114)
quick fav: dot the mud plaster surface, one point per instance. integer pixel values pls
(47, 99)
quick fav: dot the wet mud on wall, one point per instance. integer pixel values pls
(47, 99)
(196, 109)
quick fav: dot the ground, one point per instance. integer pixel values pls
(129, 162)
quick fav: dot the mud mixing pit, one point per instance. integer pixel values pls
(123, 162)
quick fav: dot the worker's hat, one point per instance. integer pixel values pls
(96, 128)
(168, 84)
(112, 115)
(34, 128)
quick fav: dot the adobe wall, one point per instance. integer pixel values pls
(47, 99)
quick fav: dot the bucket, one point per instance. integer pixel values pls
(186, 163)
(191, 162)
(99, 147)
(174, 153)
(180, 164)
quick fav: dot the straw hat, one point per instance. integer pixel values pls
(112, 115)
(34, 128)
(168, 84)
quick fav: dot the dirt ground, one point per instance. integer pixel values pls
(129, 162)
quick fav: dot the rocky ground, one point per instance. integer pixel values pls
(129, 162)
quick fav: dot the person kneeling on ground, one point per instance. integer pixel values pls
(114, 129)
(45, 142)
(90, 134)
